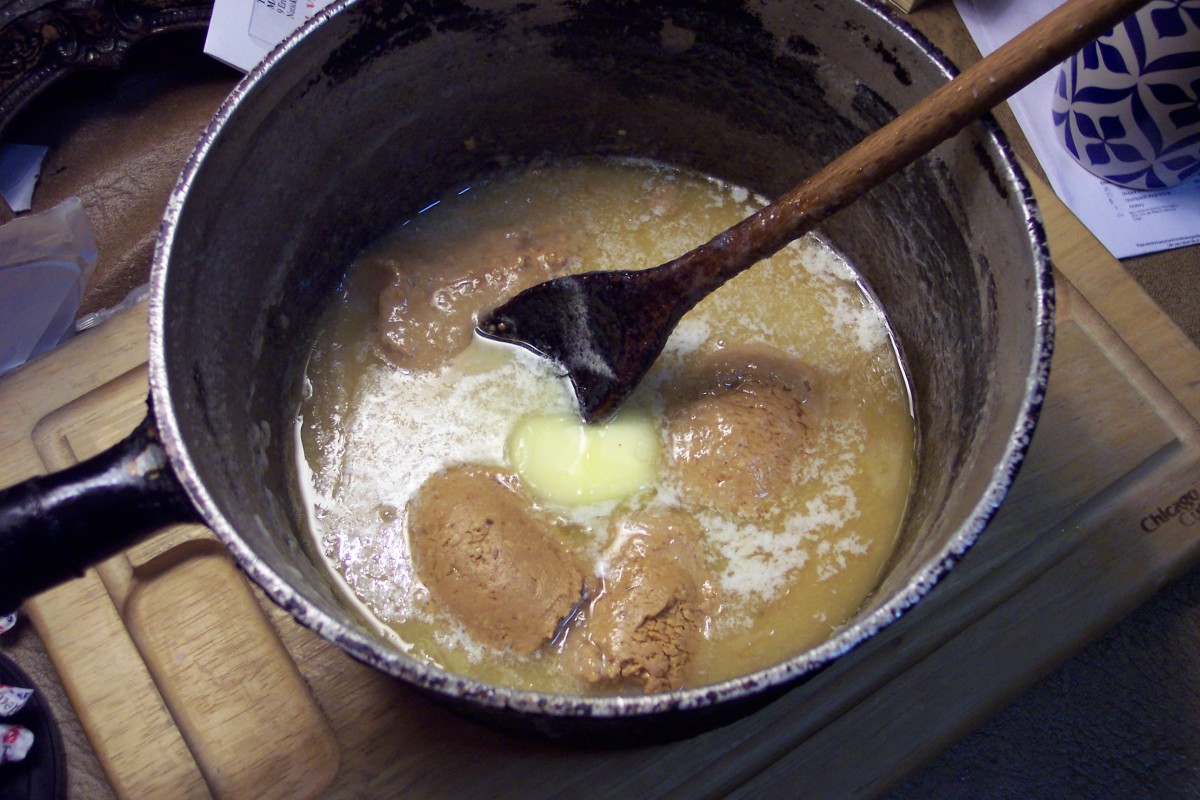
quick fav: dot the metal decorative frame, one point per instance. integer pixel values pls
(42, 41)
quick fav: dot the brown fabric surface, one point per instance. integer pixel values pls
(1172, 280)
(118, 142)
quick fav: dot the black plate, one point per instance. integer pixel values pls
(43, 773)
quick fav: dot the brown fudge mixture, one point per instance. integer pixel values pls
(491, 559)
(648, 621)
(742, 429)
(426, 313)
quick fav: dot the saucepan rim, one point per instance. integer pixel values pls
(443, 682)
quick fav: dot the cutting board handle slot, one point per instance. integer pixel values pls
(53, 527)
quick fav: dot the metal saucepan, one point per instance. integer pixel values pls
(366, 115)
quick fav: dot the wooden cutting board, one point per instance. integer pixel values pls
(190, 684)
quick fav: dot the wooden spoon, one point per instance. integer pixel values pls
(607, 328)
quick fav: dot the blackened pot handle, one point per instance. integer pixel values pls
(54, 526)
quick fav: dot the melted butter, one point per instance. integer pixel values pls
(372, 432)
(564, 461)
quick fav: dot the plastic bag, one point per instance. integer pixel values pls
(45, 262)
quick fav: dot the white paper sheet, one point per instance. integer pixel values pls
(1127, 222)
(242, 32)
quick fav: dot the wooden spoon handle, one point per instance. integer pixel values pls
(915, 132)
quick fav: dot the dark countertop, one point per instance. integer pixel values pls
(1120, 719)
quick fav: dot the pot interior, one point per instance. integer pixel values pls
(376, 111)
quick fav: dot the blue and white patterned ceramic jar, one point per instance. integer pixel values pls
(1127, 107)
